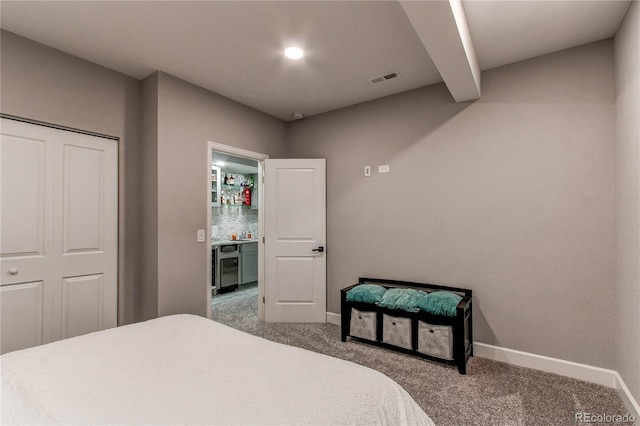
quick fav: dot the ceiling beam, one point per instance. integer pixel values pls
(443, 30)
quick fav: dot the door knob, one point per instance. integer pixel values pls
(13, 271)
(319, 249)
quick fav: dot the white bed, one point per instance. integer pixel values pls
(185, 369)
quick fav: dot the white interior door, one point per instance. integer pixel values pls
(59, 244)
(295, 238)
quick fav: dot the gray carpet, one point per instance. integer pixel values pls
(492, 393)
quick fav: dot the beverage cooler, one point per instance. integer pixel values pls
(228, 271)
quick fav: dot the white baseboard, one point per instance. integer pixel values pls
(627, 398)
(333, 318)
(587, 373)
(575, 370)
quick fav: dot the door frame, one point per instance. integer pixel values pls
(259, 157)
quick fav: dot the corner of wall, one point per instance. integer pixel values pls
(149, 199)
(627, 105)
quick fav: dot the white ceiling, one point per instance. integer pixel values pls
(234, 48)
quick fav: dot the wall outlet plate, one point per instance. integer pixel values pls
(200, 236)
(383, 169)
(367, 170)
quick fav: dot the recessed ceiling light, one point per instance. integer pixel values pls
(293, 52)
(297, 116)
(220, 163)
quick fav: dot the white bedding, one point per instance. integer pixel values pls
(185, 369)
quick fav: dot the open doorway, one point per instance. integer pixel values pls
(235, 270)
(234, 227)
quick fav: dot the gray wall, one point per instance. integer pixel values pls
(44, 84)
(189, 117)
(627, 78)
(149, 207)
(511, 196)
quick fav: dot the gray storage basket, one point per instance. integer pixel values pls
(396, 331)
(435, 340)
(363, 324)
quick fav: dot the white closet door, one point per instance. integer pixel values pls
(26, 240)
(85, 235)
(59, 234)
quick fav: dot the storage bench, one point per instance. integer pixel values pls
(447, 339)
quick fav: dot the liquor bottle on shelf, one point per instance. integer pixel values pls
(231, 180)
(226, 179)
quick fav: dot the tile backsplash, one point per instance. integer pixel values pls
(228, 219)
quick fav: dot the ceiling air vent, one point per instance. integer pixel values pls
(387, 76)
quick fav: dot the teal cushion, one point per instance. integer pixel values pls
(440, 303)
(366, 293)
(402, 298)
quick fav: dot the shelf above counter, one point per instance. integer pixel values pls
(226, 185)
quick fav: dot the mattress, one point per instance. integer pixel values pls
(184, 369)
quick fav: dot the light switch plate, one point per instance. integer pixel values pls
(383, 169)
(200, 237)
(367, 170)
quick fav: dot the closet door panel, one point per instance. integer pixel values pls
(23, 203)
(83, 200)
(21, 316)
(82, 302)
